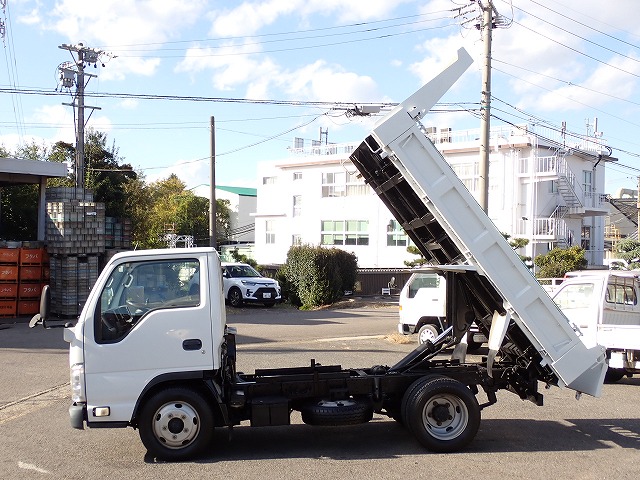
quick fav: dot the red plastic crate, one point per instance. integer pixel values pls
(28, 307)
(31, 256)
(29, 290)
(8, 308)
(33, 272)
(8, 273)
(9, 290)
(9, 255)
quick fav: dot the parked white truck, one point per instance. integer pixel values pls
(147, 354)
(605, 305)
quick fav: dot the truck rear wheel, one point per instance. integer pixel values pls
(176, 424)
(339, 412)
(442, 413)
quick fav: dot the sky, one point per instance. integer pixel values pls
(269, 71)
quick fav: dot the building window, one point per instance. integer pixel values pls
(296, 239)
(333, 184)
(344, 232)
(469, 174)
(340, 184)
(587, 182)
(297, 175)
(270, 232)
(396, 236)
(585, 241)
(269, 180)
(297, 205)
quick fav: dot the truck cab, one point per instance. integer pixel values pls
(605, 306)
(134, 308)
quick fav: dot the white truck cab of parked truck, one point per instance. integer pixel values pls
(605, 306)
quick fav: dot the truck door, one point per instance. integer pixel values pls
(581, 302)
(146, 323)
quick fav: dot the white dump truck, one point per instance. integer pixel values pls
(149, 354)
(605, 305)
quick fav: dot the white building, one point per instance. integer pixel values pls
(540, 188)
(242, 203)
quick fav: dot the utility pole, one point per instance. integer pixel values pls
(73, 73)
(486, 26)
(212, 185)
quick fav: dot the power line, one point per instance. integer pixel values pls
(298, 32)
(576, 50)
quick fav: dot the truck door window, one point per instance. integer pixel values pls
(429, 280)
(136, 288)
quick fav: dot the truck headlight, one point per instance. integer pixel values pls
(77, 383)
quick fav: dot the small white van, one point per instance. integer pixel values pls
(422, 308)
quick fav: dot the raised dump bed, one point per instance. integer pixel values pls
(448, 226)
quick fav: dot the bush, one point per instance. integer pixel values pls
(558, 261)
(315, 276)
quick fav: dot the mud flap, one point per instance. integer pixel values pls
(499, 324)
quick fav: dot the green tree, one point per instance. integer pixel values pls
(629, 250)
(165, 206)
(516, 244)
(105, 171)
(19, 203)
(559, 261)
(412, 249)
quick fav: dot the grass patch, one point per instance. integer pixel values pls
(400, 339)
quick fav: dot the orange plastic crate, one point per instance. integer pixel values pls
(31, 256)
(9, 290)
(8, 273)
(29, 290)
(8, 308)
(30, 272)
(28, 307)
(9, 255)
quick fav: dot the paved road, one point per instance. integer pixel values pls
(590, 438)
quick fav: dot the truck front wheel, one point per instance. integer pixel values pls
(442, 413)
(176, 424)
(426, 333)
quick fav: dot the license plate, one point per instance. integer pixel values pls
(266, 295)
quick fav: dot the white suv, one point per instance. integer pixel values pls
(242, 283)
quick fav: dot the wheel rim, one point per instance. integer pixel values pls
(445, 416)
(427, 334)
(176, 424)
(236, 297)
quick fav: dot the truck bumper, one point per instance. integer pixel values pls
(405, 329)
(77, 415)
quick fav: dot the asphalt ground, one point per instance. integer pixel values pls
(593, 438)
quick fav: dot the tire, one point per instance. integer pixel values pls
(427, 332)
(614, 375)
(176, 424)
(340, 412)
(235, 297)
(442, 413)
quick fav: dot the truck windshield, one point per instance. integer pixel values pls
(575, 296)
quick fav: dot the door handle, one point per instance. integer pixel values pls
(192, 344)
